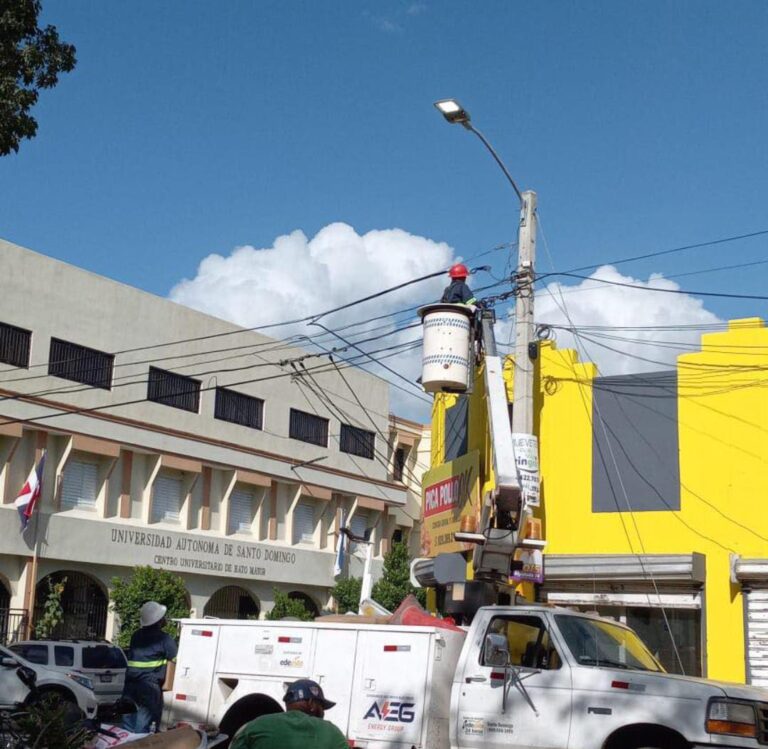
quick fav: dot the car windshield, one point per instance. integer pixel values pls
(597, 642)
(103, 656)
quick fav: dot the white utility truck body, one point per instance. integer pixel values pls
(571, 681)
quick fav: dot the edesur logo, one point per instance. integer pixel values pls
(391, 711)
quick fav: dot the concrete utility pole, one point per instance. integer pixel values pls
(522, 412)
(522, 409)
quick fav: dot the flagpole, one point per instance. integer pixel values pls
(32, 583)
(32, 587)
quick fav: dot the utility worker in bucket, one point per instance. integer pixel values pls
(150, 652)
(300, 727)
(458, 292)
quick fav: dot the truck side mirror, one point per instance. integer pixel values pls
(8, 662)
(496, 651)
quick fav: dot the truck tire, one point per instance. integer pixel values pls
(646, 737)
(246, 709)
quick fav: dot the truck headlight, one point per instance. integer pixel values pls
(83, 681)
(732, 718)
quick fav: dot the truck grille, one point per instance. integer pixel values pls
(762, 722)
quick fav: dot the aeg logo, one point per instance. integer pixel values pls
(392, 712)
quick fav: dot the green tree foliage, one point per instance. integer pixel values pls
(49, 724)
(31, 59)
(346, 593)
(53, 612)
(147, 584)
(285, 606)
(395, 583)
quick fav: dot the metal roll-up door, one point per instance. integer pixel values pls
(166, 499)
(79, 485)
(756, 626)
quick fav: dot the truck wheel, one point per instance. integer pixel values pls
(246, 709)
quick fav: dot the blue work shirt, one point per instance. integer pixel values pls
(148, 655)
(458, 293)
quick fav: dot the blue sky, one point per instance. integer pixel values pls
(190, 128)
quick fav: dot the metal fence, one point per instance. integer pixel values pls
(13, 625)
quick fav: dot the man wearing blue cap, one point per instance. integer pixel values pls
(300, 727)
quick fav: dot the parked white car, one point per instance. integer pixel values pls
(68, 685)
(101, 662)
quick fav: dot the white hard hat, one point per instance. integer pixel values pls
(152, 612)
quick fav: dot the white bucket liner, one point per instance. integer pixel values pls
(445, 347)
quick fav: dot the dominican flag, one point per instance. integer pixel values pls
(28, 497)
(341, 552)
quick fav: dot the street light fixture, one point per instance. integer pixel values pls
(456, 114)
(453, 112)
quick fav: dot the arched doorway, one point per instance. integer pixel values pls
(309, 604)
(232, 602)
(84, 604)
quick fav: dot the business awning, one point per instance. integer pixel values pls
(628, 569)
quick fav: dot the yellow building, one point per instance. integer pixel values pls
(652, 495)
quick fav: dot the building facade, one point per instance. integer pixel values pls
(651, 495)
(180, 441)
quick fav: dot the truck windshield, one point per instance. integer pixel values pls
(596, 642)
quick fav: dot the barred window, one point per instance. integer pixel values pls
(308, 428)
(239, 408)
(14, 345)
(173, 390)
(71, 361)
(356, 441)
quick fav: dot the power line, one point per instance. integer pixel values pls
(307, 318)
(698, 245)
(718, 294)
(646, 572)
(66, 411)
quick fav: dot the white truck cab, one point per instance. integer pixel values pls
(522, 676)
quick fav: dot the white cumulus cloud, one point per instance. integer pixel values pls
(624, 329)
(297, 277)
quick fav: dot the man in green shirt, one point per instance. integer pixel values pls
(300, 727)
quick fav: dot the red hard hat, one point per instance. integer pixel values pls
(458, 271)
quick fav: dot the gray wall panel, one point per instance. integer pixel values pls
(635, 443)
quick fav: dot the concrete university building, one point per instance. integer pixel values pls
(177, 440)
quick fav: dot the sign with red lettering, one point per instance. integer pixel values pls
(450, 497)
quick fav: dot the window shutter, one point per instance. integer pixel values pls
(166, 499)
(79, 485)
(304, 524)
(241, 503)
(358, 526)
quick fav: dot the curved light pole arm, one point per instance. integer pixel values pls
(485, 142)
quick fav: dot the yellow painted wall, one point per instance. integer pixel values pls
(723, 439)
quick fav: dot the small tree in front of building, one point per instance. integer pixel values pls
(287, 607)
(395, 582)
(346, 593)
(53, 612)
(147, 584)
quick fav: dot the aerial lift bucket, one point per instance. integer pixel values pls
(446, 353)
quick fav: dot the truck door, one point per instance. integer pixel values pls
(334, 665)
(538, 705)
(194, 678)
(390, 685)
